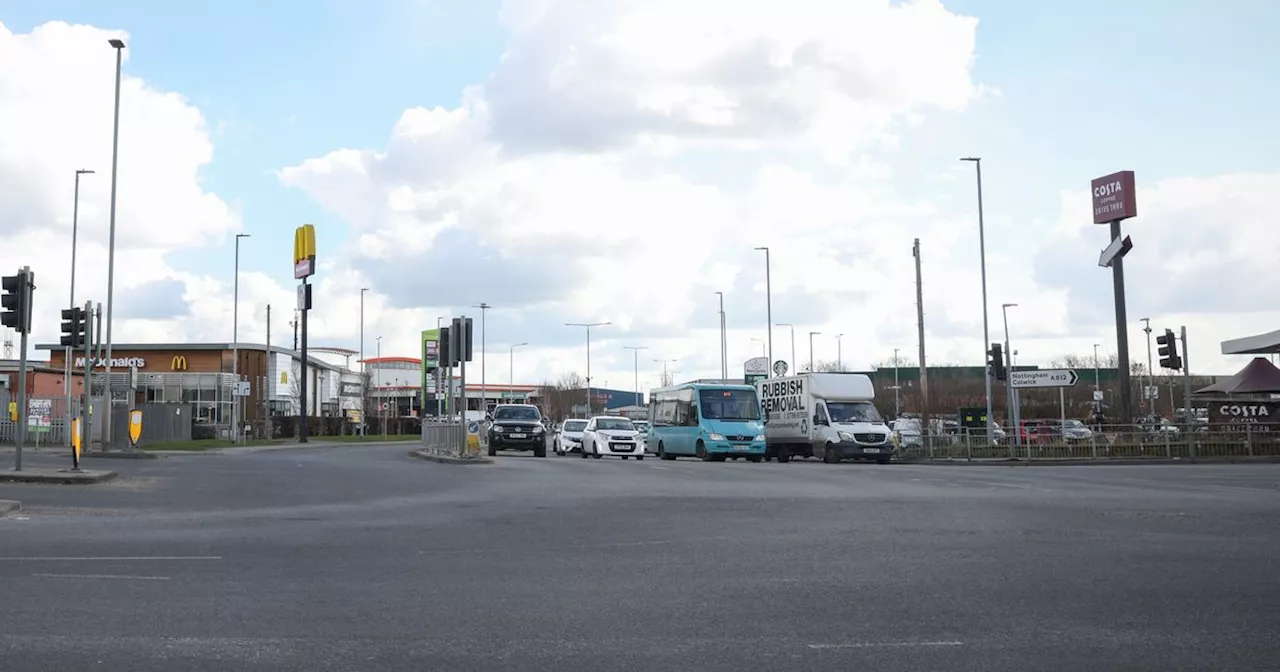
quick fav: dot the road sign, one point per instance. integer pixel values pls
(1044, 378)
(1098, 395)
(241, 389)
(1116, 250)
(135, 427)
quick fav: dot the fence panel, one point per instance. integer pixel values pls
(1110, 442)
(450, 440)
(46, 420)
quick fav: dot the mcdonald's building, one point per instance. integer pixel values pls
(210, 377)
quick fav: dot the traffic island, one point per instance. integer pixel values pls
(57, 476)
(444, 459)
(8, 506)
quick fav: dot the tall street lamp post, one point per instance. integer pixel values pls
(768, 303)
(588, 326)
(511, 373)
(118, 45)
(236, 406)
(635, 351)
(982, 252)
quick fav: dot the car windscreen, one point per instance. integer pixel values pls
(615, 424)
(853, 411)
(729, 404)
(516, 413)
(575, 425)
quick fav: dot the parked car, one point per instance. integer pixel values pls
(611, 435)
(568, 437)
(642, 426)
(517, 427)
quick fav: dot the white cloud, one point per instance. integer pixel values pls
(621, 164)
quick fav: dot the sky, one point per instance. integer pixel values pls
(574, 161)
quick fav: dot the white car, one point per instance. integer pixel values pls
(611, 435)
(569, 437)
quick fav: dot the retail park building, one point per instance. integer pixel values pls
(203, 375)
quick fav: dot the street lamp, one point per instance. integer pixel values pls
(897, 386)
(364, 380)
(511, 373)
(1012, 405)
(1151, 374)
(235, 342)
(382, 413)
(588, 326)
(75, 225)
(1097, 385)
(839, 353)
(982, 251)
(484, 398)
(635, 350)
(118, 45)
(666, 380)
(811, 335)
(724, 342)
(762, 346)
(795, 363)
(768, 303)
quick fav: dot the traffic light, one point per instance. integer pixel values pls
(995, 362)
(16, 301)
(73, 327)
(1169, 358)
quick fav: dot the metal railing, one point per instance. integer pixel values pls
(444, 438)
(1126, 442)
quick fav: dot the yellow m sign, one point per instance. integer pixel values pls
(304, 251)
(179, 363)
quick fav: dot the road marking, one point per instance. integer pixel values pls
(113, 558)
(103, 576)
(879, 645)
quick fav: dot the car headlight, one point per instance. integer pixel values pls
(497, 429)
(759, 437)
(844, 436)
(537, 429)
(715, 437)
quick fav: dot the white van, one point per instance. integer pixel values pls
(826, 415)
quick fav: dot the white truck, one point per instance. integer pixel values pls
(827, 415)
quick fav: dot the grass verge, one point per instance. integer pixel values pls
(206, 444)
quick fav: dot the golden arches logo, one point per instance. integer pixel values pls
(179, 363)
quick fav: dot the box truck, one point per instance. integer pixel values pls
(827, 415)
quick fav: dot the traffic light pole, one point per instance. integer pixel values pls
(1186, 393)
(86, 400)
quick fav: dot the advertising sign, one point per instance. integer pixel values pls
(135, 427)
(755, 370)
(39, 415)
(1253, 416)
(304, 251)
(1114, 197)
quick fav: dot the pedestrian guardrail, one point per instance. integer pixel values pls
(447, 438)
(1195, 441)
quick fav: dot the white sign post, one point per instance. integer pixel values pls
(1046, 378)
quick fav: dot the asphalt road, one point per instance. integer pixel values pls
(361, 558)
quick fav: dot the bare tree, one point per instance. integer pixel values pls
(559, 397)
(827, 367)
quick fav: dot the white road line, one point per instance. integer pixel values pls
(879, 645)
(112, 558)
(102, 576)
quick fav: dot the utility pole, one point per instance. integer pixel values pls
(588, 326)
(982, 249)
(839, 353)
(1151, 373)
(724, 343)
(666, 377)
(635, 350)
(267, 432)
(924, 370)
(484, 397)
(768, 305)
(811, 335)
(897, 387)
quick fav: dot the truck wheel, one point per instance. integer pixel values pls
(784, 454)
(829, 454)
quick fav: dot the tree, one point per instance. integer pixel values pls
(827, 367)
(559, 397)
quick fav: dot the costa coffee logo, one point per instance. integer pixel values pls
(1245, 410)
(1108, 189)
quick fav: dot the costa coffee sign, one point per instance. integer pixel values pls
(1244, 413)
(1114, 197)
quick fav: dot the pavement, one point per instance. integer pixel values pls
(364, 558)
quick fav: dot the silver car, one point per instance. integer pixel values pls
(569, 437)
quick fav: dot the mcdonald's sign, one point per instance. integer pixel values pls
(179, 363)
(304, 251)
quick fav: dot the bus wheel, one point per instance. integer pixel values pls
(662, 453)
(702, 452)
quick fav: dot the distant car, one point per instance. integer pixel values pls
(611, 435)
(517, 427)
(642, 426)
(569, 437)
